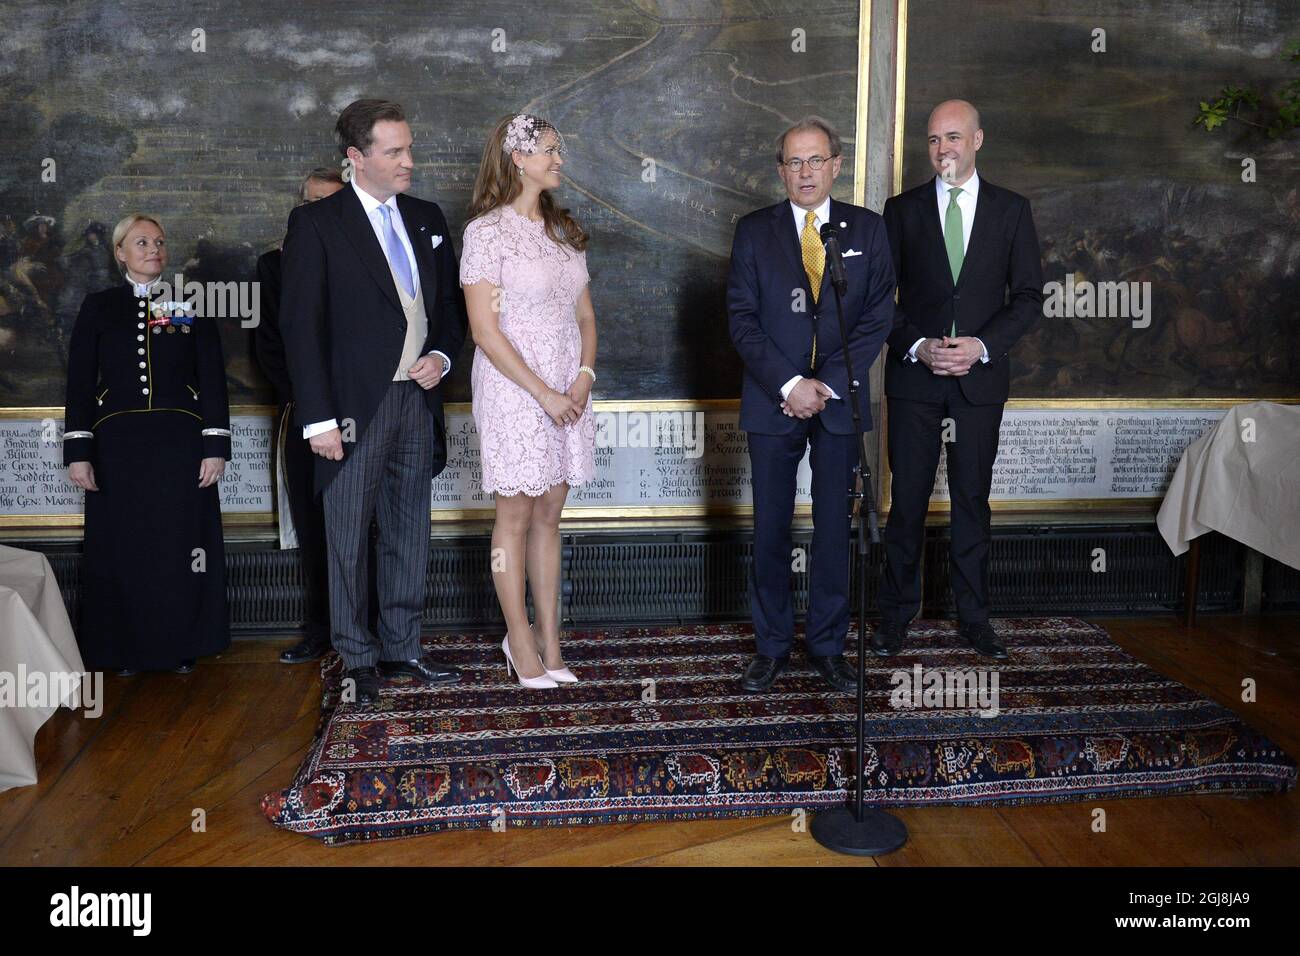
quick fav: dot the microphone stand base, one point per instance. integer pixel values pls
(876, 834)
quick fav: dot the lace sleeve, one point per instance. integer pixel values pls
(480, 256)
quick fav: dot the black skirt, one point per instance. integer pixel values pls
(153, 579)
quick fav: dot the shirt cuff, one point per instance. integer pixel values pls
(985, 357)
(911, 353)
(319, 428)
(446, 362)
(789, 387)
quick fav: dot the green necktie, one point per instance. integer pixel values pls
(952, 239)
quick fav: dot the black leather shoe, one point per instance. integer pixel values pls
(762, 673)
(184, 667)
(887, 638)
(367, 684)
(424, 669)
(835, 670)
(984, 639)
(127, 672)
(311, 648)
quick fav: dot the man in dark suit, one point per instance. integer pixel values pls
(372, 314)
(796, 393)
(970, 283)
(293, 452)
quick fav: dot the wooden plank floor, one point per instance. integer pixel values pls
(122, 789)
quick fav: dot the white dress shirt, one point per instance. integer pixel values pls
(142, 290)
(967, 200)
(371, 205)
(823, 216)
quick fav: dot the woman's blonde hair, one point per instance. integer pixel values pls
(124, 226)
(497, 183)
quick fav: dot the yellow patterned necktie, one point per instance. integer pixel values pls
(814, 253)
(814, 263)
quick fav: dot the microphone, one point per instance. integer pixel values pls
(831, 240)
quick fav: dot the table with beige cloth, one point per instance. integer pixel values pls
(35, 638)
(1242, 479)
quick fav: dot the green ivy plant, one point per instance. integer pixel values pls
(1233, 99)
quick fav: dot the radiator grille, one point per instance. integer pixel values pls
(696, 576)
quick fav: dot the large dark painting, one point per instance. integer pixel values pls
(1126, 189)
(214, 143)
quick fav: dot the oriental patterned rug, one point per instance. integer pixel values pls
(660, 729)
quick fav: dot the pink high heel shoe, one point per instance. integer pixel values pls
(563, 675)
(539, 682)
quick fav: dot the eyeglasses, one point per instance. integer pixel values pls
(814, 162)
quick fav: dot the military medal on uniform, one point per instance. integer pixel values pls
(171, 316)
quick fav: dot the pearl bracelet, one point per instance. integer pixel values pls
(587, 369)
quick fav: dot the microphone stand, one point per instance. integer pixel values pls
(858, 831)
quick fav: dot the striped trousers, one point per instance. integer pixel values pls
(386, 477)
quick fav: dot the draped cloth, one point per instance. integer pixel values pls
(36, 643)
(1242, 479)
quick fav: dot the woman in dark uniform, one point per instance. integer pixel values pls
(147, 435)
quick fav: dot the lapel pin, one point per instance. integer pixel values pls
(844, 225)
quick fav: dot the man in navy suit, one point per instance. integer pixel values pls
(796, 394)
(970, 283)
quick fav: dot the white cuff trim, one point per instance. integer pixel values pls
(67, 435)
(318, 428)
(446, 362)
(216, 432)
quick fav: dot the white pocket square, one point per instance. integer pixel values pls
(850, 252)
(437, 241)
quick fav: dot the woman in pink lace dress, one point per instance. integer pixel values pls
(524, 271)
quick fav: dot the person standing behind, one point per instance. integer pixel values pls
(795, 391)
(970, 284)
(372, 315)
(147, 435)
(524, 270)
(293, 452)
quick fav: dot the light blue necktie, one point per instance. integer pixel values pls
(396, 253)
